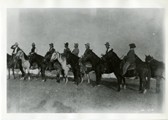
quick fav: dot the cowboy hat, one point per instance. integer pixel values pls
(51, 44)
(75, 44)
(107, 43)
(87, 44)
(132, 45)
(16, 44)
(66, 44)
(33, 43)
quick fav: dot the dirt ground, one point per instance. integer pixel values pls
(35, 96)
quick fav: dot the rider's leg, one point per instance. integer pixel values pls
(125, 68)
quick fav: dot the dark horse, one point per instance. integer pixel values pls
(111, 63)
(42, 63)
(141, 69)
(157, 70)
(99, 66)
(73, 60)
(14, 63)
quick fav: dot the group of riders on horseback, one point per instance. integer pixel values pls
(131, 65)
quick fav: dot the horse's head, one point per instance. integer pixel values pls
(148, 58)
(54, 56)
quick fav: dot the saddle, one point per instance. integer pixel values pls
(132, 67)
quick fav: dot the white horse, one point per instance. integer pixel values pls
(25, 63)
(63, 62)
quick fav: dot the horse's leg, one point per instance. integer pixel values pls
(28, 73)
(39, 71)
(58, 77)
(23, 77)
(119, 82)
(157, 84)
(43, 68)
(124, 83)
(144, 84)
(148, 80)
(140, 83)
(66, 75)
(98, 77)
(88, 77)
(82, 77)
(66, 79)
(8, 73)
(78, 76)
(21, 69)
(13, 72)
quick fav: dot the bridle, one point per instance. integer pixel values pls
(150, 60)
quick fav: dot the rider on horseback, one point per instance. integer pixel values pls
(66, 50)
(87, 46)
(51, 50)
(107, 45)
(129, 59)
(15, 48)
(33, 50)
(76, 49)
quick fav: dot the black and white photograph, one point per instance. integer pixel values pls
(89, 60)
(85, 60)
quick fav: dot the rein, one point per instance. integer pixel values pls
(150, 60)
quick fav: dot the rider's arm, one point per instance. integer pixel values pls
(13, 47)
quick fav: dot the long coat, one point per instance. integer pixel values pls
(66, 50)
(130, 56)
(75, 51)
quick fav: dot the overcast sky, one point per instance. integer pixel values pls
(119, 27)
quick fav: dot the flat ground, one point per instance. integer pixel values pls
(35, 96)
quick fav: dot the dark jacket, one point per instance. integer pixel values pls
(51, 51)
(33, 50)
(75, 51)
(66, 50)
(13, 47)
(86, 51)
(130, 56)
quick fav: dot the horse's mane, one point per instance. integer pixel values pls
(115, 56)
(137, 58)
(25, 56)
(39, 55)
(73, 55)
(95, 54)
(9, 57)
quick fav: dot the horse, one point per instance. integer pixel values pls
(42, 63)
(74, 60)
(113, 65)
(140, 69)
(25, 63)
(62, 60)
(13, 63)
(157, 70)
(98, 66)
